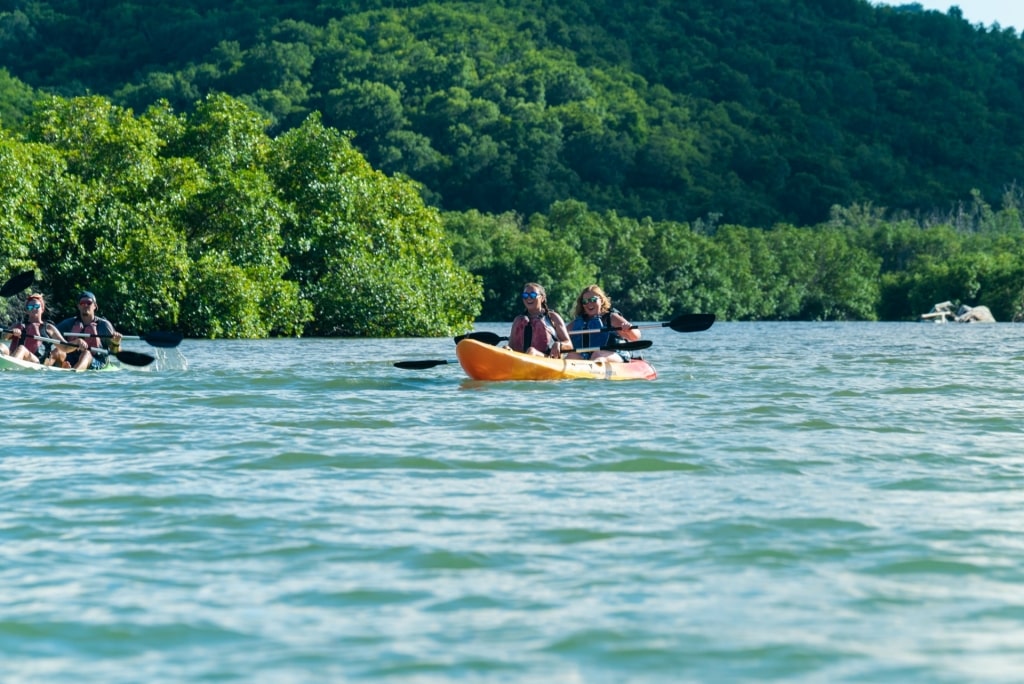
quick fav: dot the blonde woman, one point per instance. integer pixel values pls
(594, 311)
(23, 336)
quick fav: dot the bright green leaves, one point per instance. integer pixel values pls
(205, 223)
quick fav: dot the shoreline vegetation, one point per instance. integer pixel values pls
(258, 169)
(203, 223)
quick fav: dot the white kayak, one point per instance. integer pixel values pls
(9, 363)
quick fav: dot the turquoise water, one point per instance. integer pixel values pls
(787, 502)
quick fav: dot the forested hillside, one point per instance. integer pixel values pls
(242, 169)
(753, 112)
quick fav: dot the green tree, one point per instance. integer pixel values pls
(100, 226)
(16, 100)
(23, 169)
(505, 254)
(372, 257)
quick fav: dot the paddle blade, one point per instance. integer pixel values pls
(162, 338)
(691, 322)
(630, 346)
(419, 365)
(486, 337)
(130, 358)
(17, 284)
(623, 346)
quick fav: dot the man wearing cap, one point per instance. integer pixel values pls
(101, 335)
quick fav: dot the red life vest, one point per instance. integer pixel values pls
(27, 331)
(541, 336)
(79, 327)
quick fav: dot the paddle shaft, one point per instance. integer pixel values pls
(683, 323)
(103, 337)
(156, 338)
(493, 339)
(128, 357)
(614, 328)
(73, 347)
(431, 363)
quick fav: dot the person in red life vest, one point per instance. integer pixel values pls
(594, 312)
(101, 333)
(539, 331)
(25, 344)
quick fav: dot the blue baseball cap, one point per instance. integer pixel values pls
(85, 294)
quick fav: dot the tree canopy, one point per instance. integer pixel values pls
(759, 112)
(204, 222)
(278, 168)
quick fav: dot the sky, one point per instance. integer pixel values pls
(1009, 13)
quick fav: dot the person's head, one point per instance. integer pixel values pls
(86, 302)
(35, 305)
(535, 298)
(592, 302)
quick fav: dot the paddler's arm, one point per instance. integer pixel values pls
(564, 341)
(54, 333)
(113, 345)
(628, 334)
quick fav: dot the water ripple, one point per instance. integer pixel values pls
(792, 502)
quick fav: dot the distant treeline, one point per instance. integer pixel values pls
(748, 111)
(388, 167)
(859, 265)
(203, 222)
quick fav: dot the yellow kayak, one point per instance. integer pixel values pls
(486, 362)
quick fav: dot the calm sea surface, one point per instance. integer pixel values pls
(787, 502)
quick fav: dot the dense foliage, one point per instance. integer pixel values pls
(759, 112)
(780, 160)
(858, 265)
(205, 223)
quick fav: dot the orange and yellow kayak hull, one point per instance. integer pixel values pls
(486, 362)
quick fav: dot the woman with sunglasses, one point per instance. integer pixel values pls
(594, 312)
(539, 331)
(23, 336)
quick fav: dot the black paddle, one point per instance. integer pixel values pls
(425, 363)
(486, 337)
(157, 338)
(17, 283)
(128, 358)
(684, 323)
(430, 363)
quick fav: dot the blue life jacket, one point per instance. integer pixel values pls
(597, 339)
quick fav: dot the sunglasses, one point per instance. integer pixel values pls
(85, 301)
(531, 295)
(590, 300)
(31, 307)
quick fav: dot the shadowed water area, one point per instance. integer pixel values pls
(790, 502)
